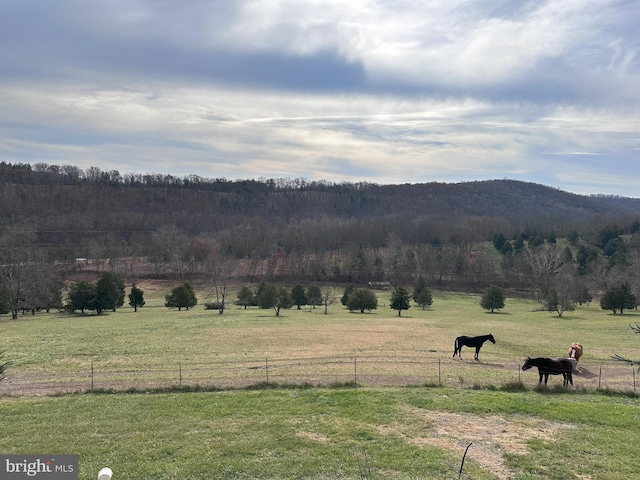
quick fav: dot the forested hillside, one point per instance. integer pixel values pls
(464, 235)
(73, 209)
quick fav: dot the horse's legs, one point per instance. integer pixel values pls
(570, 378)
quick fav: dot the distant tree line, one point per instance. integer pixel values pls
(57, 221)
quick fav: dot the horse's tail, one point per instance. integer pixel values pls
(456, 346)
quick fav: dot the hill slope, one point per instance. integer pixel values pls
(104, 214)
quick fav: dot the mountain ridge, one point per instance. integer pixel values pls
(29, 193)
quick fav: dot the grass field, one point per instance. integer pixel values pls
(318, 433)
(159, 347)
(386, 433)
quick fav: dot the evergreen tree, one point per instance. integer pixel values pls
(584, 258)
(421, 293)
(345, 296)
(362, 299)
(181, 297)
(499, 240)
(424, 298)
(617, 298)
(260, 292)
(136, 298)
(266, 295)
(245, 297)
(493, 299)
(275, 297)
(109, 292)
(298, 296)
(82, 296)
(418, 287)
(400, 300)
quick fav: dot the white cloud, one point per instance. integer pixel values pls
(246, 133)
(448, 90)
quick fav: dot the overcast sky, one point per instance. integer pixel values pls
(383, 91)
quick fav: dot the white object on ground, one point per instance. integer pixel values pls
(105, 474)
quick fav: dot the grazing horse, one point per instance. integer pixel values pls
(464, 341)
(575, 351)
(551, 366)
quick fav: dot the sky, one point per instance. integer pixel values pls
(380, 91)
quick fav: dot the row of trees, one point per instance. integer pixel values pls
(617, 298)
(269, 295)
(355, 299)
(528, 262)
(347, 251)
(108, 293)
(561, 273)
(27, 283)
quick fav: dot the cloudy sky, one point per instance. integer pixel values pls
(383, 91)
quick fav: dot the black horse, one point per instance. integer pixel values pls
(551, 366)
(464, 341)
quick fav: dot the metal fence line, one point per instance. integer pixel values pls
(316, 371)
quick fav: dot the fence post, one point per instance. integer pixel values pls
(519, 368)
(633, 369)
(600, 377)
(180, 368)
(439, 373)
(266, 367)
(355, 371)
(91, 375)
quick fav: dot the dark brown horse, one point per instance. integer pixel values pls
(551, 366)
(476, 342)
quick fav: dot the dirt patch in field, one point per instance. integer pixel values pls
(492, 436)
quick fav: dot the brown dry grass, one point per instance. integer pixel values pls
(491, 436)
(133, 350)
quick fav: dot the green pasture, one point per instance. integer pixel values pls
(385, 433)
(159, 341)
(292, 430)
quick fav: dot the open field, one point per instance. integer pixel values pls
(365, 433)
(161, 347)
(375, 431)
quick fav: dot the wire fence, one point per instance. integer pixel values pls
(316, 371)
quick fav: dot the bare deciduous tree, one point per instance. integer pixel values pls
(17, 256)
(220, 271)
(328, 298)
